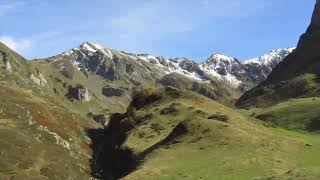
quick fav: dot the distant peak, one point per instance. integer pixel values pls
(219, 57)
(90, 46)
(283, 49)
(274, 55)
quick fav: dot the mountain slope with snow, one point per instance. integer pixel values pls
(219, 77)
(229, 70)
(259, 68)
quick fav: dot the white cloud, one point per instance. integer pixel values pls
(19, 45)
(6, 8)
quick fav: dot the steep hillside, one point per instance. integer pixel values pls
(40, 139)
(211, 89)
(260, 67)
(172, 134)
(15, 70)
(295, 77)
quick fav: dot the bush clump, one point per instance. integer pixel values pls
(157, 127)
(169, 110)
(219, 117)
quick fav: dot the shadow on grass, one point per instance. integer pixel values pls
(109, 159)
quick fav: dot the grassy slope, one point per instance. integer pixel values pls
(306, 85)
(295, 114)
(239, 149)
(34, 134)
(215, 89)
(21, 70)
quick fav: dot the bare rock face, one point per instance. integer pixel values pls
(6, 61)
(39, 79)
(313, 31)
(315, 21)
(8, 66)
(102, 119)
(303, 61)
(79, 93)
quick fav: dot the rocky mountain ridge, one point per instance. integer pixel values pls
(223, 68)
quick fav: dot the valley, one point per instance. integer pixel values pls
(98, 113)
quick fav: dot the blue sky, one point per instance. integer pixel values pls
(172, 28)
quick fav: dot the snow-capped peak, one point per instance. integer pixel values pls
(93, 47)
(273, 56)
(224, 68)
(220, 57)
(148, 57)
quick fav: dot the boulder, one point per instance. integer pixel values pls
(8, 66)
(39, 79)
(102, 119)
(79, 93)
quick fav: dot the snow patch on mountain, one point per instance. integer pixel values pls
(274, 56)
(221, 67)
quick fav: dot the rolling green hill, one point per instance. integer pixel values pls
(173, 134)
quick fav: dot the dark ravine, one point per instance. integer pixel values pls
(111, 159)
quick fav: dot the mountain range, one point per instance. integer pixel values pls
(220, 77)
(220, 67)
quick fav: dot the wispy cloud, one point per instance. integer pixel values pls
(155, 20)
(142, 25)
(19, 45)
(9, 7)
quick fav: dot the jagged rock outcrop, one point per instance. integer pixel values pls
(8, 66)
(79, 93)
(227, 69)
(315, 21)
(93, 58)
(259, 68)
(39, 79)
(102, 119)
(6, 61)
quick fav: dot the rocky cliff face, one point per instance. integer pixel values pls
(315, 21)
(296, 76)
(259, 68)
(79, 93)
